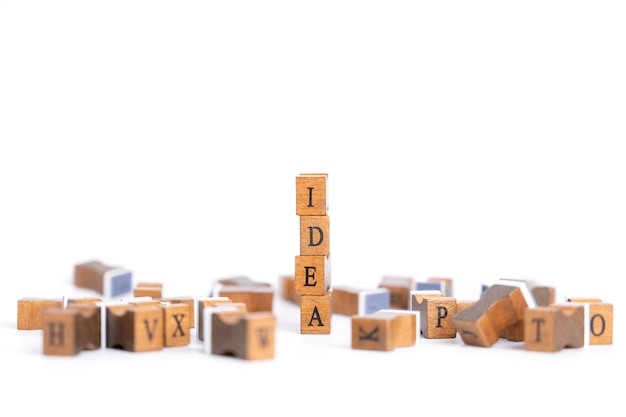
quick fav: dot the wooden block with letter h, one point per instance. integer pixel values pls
(312, 265)
(68, 331)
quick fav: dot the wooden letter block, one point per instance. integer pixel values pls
(288, 289)
(315, 235)
(134, 328)
(600, 316)
(550, 329)
(544, 296)
(436, 314)
(205, 303)
(349, 301)
(315, 313)
(30, 311)
(499, 312)
(312, 275)
(399, 289)
(84, 300)
(108, 280)
(148, 289)
(190, 302)
(177, 325)
(207, 319)
(243, 335)
(447, 285)
(384, 330)
(311, 199)
(68, 331)
(256, 298)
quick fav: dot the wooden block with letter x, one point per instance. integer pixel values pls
(315, 313)
(134, 328)
(311, 194)
(30, 311)
(68, 331)
(190, 302)
(550, 329)
(312, 275)
(177, 324)
(243, 335)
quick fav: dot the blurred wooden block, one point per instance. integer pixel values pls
(550, 329)
(315, 313)
(399, 290)
(315, 235)
(499, 312)
(66, 332)
(600, 318)
(447, 284)
(242, 281)
(312, 275)
(108, 280)
(205, 303)
(461, 304)
(207, 319)
(311, 194)
(436, 312)
(30, 311)
(148, 291)
(288, 289)
(349, 301)
(83, 300)
(256, 298)
(177, 325)
(431, 286)
(385, 330)
(544, 296)
(249, 336)
(134, 328)
(190, 302)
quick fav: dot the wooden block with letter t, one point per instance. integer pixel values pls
(312, 275)
(135, 328)
(315, 313)
(243, 335)
(550, 329)
(68, 331)
(311, 194)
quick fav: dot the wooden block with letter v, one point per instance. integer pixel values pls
(385, 330)
(134, 327)
(552, 328)
(243, 335)
(68, 331)
(315, 313)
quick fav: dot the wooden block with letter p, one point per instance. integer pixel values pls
(30, 311)
(68, 331)
(311, 194)
(312, 275)
(436, 312)
(315, 313)
(550, 329)
(243, 335)
(134, 328)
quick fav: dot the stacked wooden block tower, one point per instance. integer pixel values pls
(312, 269)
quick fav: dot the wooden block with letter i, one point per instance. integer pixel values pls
(311, 192)
(315, 313)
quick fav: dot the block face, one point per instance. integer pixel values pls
(600, 323)
(30, 311)
(148, 329)
(256, 298)
(447, 284)
(345, 301)
(311, 195)
(177, 325)
(189, 302)
(315, 235)
(315, 314)
(206, 303)
(371, 301)
(372, 333)
(312, 275)
(399, 289)
(260, 335)
(59, 332)
(88, 325)
(539, 325)
(439, 312)
(117, 282)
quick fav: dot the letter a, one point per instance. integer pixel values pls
(316, 316)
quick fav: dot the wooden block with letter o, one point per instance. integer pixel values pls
(550, 329)
(315, 313)
(243, 335)
(600, 316)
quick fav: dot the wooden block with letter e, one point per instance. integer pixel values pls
(111, 281)
(436, 312)
(244, 335)
(550, 329)
(312, 275)
(399, 290)
(311, 194)
(30, 311)
(66, 332)
(384, 330)
(498, 313)
(134, 328)
(349, 301)
(315, 313)
(600, 318)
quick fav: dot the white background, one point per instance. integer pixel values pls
(469, 139)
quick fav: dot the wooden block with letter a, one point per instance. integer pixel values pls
(68, 331)
(312, 274)
(134, 327)
(550, 329)
(243, 335)
(30, 311)
(315, 313)
(399, 290)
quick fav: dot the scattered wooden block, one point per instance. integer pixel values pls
(288, 289)
(30, 311)
(177, 324)
(134, 328)
(399, 290)
(315, 235)
(544, 295)
(431, 286)
(550, 329)
(104, 279)
(242, 281)
(384, 330)
(148, 289)
(498, 313)
(83, 300)
(312, 275)
(66, 332)
(190, 302)
(311, 198)
(436, 312)
(256, 298)
(207, 319)
(315, 313)
(249, 336)
(205, 303)
(349, 301)
(461, 304)
(599, 315)
(447, 284)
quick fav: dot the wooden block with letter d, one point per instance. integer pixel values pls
(315, 235)
(550, 329)
(312, 275)
(315, 313)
